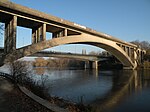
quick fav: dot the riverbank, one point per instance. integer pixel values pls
(18, 98)
(13, 100)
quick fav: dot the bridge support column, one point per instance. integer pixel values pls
(123, 47)
(132, 54)
(142, 56)
(95, 65)
(10, 35)
(135, 56)
(39, 34)
(65, 32)
(127, 50)
(139, 57)
(86, 65)
(60, 33)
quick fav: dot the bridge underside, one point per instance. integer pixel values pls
(83, 38)
(63, 32)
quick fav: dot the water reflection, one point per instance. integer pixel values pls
(74, 84)
(122, 84)
(145, 76)
(104, 90)
(39, 70)
(125, 87)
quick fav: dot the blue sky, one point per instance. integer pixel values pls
(124, 19)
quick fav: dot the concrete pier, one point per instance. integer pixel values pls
(39, 34)
(10, 35)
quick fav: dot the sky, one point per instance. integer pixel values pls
(127, 20)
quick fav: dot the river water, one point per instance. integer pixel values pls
(112, 91)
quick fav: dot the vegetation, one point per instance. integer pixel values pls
(40, 62)
(20, 73)
(57, 63)
(16, 101)
(146, 46)
(142, 44)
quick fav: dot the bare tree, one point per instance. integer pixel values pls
(143, 44)
(59, 63)
(19, 71)
(40, 62)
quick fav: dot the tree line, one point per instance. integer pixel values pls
(57, 63)
(146, 46)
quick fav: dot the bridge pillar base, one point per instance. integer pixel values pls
(95, 65)
(87, 65)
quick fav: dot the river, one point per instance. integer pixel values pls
(112, 91)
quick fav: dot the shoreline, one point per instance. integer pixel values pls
(13, 100)
(53, 104)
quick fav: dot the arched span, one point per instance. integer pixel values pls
(106, 44)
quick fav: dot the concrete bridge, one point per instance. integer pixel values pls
(84, 57)
(63, 32)
(91, 61)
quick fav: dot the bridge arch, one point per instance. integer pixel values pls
(63, 32)
(106, 44)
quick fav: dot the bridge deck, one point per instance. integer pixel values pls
(30, 18)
